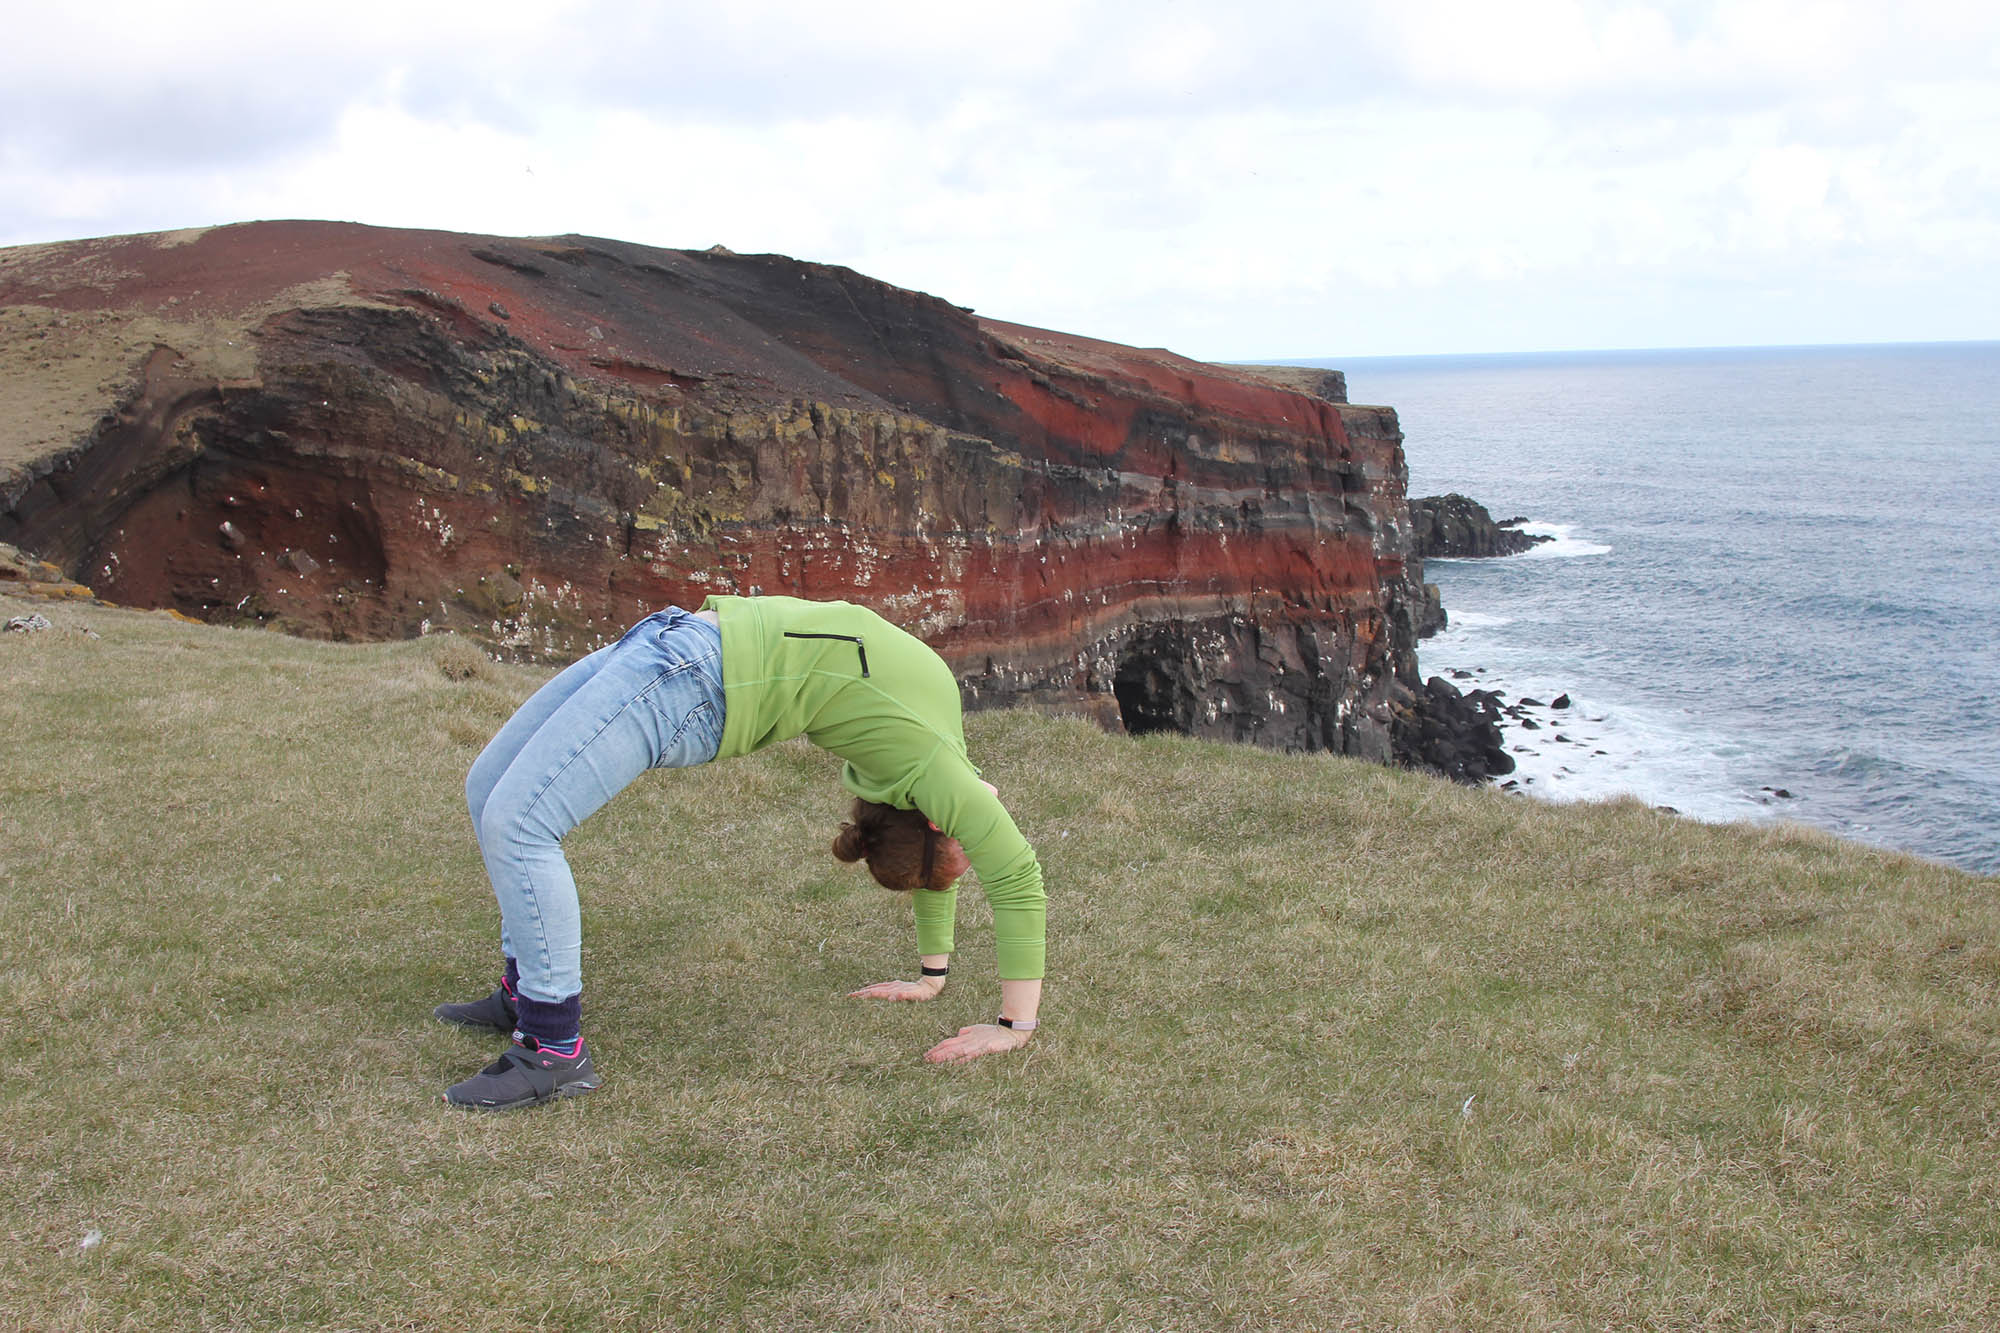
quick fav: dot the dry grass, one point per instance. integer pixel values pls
(1328, 1045)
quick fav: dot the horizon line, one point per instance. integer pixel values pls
(1321, 361)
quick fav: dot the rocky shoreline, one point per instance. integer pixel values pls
(1540, 739)
(1521, 714)
(1460, 733)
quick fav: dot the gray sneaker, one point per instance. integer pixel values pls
(525, 1075)
(495, 1012)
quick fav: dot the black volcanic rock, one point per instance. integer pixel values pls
(1456, 734)
(1457, 526)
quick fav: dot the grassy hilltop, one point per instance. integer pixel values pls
(1326, 1045)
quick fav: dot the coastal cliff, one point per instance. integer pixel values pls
(354, 432)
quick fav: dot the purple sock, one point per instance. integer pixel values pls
(552, 1024)
(510, 980)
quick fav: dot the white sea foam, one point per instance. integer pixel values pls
(1594, 750)
(1564, 544)
(1478, 619)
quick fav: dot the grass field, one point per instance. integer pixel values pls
(1325, 1045)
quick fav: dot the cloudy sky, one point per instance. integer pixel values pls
(1297, 180)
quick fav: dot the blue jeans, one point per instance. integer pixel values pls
(651, 700)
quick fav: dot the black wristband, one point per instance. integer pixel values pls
(937, 971)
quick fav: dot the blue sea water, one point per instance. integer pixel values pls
(1778, 570)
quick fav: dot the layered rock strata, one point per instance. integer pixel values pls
(363, 433)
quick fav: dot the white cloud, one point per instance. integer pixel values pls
(1316, 178)
(1606, 53)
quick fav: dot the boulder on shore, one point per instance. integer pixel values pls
(1456, 734)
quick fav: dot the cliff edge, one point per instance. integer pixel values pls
(357, 432)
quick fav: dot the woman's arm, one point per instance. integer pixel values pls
(935, 912)
(960, 804)
(963, 806)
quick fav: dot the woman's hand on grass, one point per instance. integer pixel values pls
(900, 990)
(975, 1041)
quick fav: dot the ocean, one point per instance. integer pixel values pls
(1774, 589)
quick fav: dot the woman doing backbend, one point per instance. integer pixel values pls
(681, 688)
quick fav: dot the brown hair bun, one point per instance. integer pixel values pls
(851, 843)
(900, 846)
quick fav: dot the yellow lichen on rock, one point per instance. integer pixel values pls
(26, 576)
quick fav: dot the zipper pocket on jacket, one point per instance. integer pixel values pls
(854, 639)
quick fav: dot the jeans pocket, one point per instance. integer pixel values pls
(696, 740)
(681, 641)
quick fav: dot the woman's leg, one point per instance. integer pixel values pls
(653, 699)
(508, 743)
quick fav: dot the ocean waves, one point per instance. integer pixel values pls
(1563, 543)
(1750, 624)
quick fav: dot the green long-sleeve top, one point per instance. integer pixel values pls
(877, 696)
